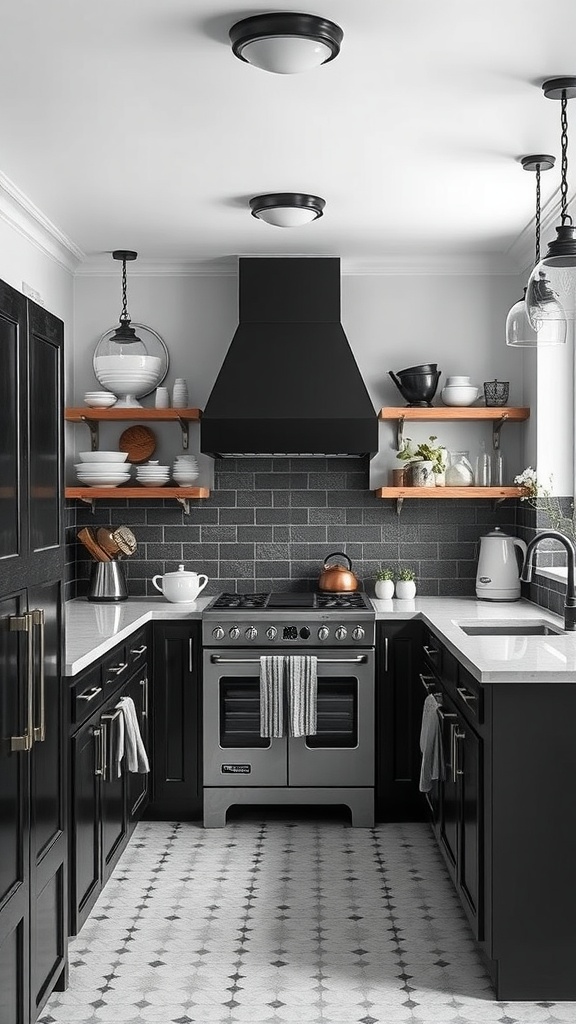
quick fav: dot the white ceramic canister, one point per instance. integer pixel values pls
(181, 586)
(180, 393)
(162, 398)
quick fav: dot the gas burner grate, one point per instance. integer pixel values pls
(340, 601)
(240, 601)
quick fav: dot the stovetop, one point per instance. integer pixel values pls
(288, 600)
(289, 619)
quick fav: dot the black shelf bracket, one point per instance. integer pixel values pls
(91, 502)
(496, 428)
(185, 427)
(400, 433)
(185, 502)
(93, 427)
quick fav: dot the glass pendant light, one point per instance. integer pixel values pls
(551, 291)
(519, 331)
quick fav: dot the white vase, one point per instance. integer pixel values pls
(384, 589)
(422, 475)
(405, 590)
(180, 394)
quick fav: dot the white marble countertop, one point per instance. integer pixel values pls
(493, 659)
(93, 629)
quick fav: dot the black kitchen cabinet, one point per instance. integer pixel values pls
(105, 805)
(399, 700)
(177, 726)
(33, 866)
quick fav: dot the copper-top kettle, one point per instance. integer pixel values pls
(337, 578)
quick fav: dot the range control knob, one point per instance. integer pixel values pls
(341, 633)
(323, 633)
(271, 632)
(358, 633)
(251, 633)
(218, 633)
(234, 633)
(304, 633)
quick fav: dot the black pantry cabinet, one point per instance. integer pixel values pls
(177, 725)
(399, 700)
(33, 840)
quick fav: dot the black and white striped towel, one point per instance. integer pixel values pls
(302, 680)
(272, 695)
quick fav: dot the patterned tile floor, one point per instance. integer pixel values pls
(281, 921)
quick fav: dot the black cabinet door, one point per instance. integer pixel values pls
(468, 753)
(13, 481)
(449, 810)
(113, 794)
(14, 817)
(177, 727)
(45, 351)
(399, 700)
(48, 840)
(86, 769)
(137, 782)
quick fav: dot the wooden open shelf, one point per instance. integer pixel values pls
(444, 412)
(182, 494)
(87, 413)
(495, 493)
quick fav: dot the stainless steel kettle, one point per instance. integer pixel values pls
(107, 582)
(498, 575)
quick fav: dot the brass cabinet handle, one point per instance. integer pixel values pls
(39, 620)
(144, 685)
(23, 624)
(90, 694)
(137, 651)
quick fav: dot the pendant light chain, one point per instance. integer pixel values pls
(537, 260)
(565, 216)
(124, 314)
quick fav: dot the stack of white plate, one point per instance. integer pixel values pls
(185, 470)
(102, 469)
(99, 399)
(152, 475)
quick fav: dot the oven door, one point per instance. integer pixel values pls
(342, 751)
(234, 752)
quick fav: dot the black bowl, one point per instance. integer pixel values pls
(423, 368)
(419, 388)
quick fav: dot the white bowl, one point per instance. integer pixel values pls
(154, 483)
(102, 456)
(99, 400)
(102, 481)
(459, 395)
(124, 362)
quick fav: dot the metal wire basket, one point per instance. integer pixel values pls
(496, 392)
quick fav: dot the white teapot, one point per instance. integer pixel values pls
(181, 586)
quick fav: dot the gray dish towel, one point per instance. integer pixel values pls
(136, 756)
(117, 747)
(302, 679)
(432, 767)
(272, 695)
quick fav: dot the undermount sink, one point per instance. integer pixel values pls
(534, 628)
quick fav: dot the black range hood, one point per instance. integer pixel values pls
(289, 384)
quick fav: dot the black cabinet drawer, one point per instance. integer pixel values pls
(86, 694)
(114, 666)
(432, 651)
(137, 649)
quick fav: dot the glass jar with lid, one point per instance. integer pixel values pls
(459, 472)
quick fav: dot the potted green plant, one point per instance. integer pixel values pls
(384, 585)
(426, 461)
(406, 584)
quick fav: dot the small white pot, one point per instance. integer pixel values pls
(181, 586)
(422, 475)
(384, 590)
(405, 590)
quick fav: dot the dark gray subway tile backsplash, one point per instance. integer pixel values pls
(272, 522)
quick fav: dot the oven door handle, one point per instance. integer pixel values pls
(360, 659)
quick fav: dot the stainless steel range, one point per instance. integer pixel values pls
(334, 766)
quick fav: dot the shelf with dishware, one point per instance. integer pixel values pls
(92, 417)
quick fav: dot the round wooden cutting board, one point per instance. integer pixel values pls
(139, 441)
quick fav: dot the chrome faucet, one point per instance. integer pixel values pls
(570, 600)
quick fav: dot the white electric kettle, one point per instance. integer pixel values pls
(180, 586)
(498, 576)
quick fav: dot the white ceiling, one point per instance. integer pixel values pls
(129, 123)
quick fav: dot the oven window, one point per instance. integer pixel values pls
(240, 713)
(337, 718)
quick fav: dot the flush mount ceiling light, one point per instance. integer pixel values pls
(286, 43)
(519, 331)
(551, 292)
(287, 209)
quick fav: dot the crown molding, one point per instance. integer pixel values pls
(20, 213)
(102, 265)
